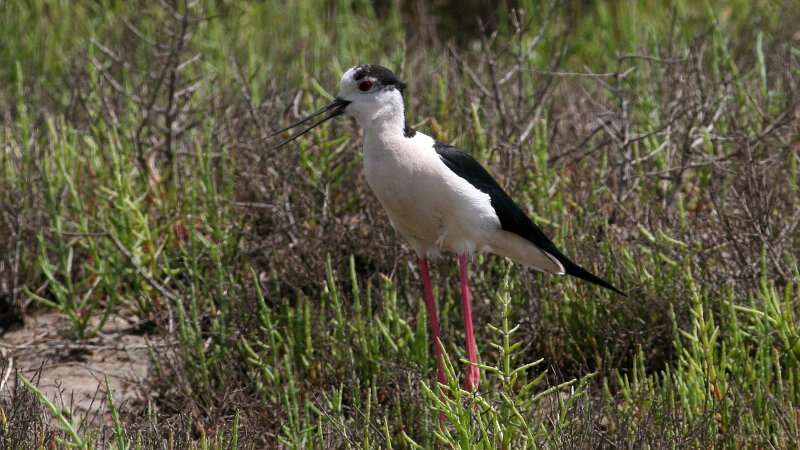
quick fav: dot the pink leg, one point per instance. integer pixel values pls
(473, 376)
(430, 305)
(434, 322)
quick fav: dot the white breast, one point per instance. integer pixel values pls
(432, 207)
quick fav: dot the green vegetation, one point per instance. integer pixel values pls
(656, 142)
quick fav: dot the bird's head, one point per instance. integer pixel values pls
(374, 93)
(369, 92)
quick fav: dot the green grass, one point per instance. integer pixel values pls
(656, 143)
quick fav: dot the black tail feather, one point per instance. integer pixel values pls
(511, 216)
(577, 271)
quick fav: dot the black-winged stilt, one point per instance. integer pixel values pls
(438, 197)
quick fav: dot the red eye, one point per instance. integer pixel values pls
(364, 86)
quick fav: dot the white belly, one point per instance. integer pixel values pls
(434, 209)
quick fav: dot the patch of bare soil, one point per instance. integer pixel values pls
(71, 373)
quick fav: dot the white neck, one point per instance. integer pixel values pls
(384, 118)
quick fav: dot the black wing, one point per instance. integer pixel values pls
(512, 218)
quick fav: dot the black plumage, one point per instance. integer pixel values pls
(381, 74)
(512, 218)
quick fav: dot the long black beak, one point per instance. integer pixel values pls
(334, 108)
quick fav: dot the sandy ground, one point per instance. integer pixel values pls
(73, 374)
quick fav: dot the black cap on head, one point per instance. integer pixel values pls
(383, 75)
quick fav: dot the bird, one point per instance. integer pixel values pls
(438, 197)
